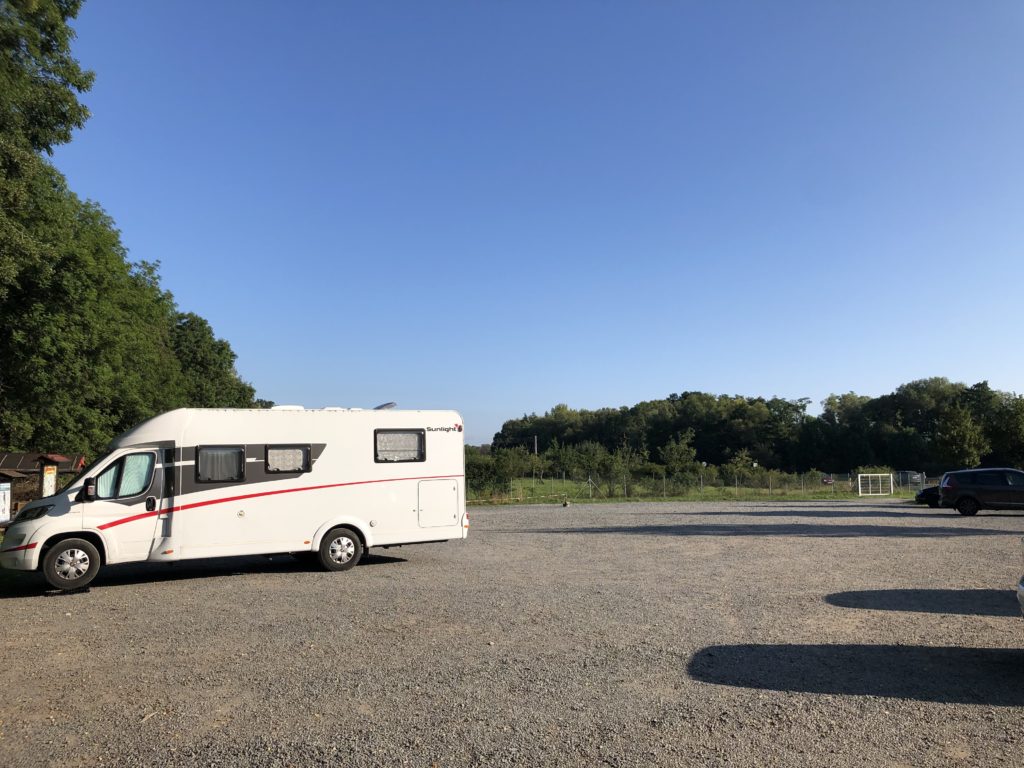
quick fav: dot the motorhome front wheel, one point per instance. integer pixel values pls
(71, 564)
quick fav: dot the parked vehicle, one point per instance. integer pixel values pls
(196, 483)
(908, 478)
(929, 496)
(969, 490)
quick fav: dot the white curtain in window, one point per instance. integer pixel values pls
(138, 468)
(399, 446)
(221, 464)
(286, 459)
(106, 484)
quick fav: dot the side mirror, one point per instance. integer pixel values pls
(88, 490)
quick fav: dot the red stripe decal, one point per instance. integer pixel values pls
(18, 549)
(229, 499)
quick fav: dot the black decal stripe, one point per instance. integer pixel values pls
(255, 471)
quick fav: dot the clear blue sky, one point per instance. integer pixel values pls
(497, 206)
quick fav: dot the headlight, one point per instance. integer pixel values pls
(33, 513)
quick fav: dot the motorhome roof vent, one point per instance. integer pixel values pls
(287, 408)
(385, 406)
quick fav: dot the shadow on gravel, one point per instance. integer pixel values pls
(27, 584)
(837, 506)
(847, 509)
(840, 513)
(966, 602)
(988, 676)
(784, 529)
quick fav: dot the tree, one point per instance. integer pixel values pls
(208, 366)
(483, 475)
(594, 459)
(678, 455)
(1007, 431)
(39, 108)
(959, 439)
(739, 468)
(39, 101)
(510, 463)
(625, 463)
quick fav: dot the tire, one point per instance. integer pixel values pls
(340, 549)
(967, 506)
(71, 564)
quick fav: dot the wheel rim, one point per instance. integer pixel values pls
(342, 549)
(72, 564)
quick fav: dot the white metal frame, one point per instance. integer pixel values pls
(873, 484)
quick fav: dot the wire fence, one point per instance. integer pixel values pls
(713, 486)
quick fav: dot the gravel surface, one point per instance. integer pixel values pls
(797, 633)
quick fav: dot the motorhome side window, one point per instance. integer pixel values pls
(287, 458)
(394, 445)
(220, 463)
(128, 476)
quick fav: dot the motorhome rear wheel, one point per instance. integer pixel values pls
(340, 549)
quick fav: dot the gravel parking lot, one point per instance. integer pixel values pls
(787, 633)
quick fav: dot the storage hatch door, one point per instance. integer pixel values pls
(438, 503)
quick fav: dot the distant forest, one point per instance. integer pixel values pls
(932, 424)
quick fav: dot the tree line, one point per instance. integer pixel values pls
(931, 425)
(91, 342)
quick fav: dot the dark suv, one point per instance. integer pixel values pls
(969, 490)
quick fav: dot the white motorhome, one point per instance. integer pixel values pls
(196, 483)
